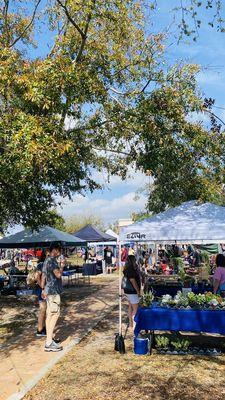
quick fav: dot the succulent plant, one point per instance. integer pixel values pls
(146, 299)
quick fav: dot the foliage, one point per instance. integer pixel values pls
(77, 222)
(140, 216)
(206, 260)
(100, 99)
(56, 220)
(188, 15)
(52, 108)
(192, 300)
(162, 342)
(146, 299)
(181, 344)
(178, 264)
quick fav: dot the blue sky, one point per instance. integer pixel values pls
(117, 200)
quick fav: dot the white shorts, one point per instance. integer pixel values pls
(132, 298)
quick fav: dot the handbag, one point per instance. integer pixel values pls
(127, 285)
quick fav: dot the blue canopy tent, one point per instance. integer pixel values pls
(93, 235)
(43, 237)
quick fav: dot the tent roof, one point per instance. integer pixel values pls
(190, 222)
(42, 238)
(112, 233)
(91, 234)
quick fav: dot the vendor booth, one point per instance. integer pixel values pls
(94, 236)
(40, 238)
(194, 223)
(28, 239)
(190, 222)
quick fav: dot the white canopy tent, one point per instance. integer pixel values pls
(190, 222)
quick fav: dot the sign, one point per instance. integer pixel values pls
(136, 235)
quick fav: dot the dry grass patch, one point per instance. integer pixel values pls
(93, 371)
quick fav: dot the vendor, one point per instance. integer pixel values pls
(219, 275)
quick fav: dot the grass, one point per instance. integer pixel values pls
(94, 371)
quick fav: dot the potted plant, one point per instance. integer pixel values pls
(181, 345)
(162, 343)
(146, 299)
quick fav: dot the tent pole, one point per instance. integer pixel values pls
(156, 252)
(120, 291)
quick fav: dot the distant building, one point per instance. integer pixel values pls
(124, 222)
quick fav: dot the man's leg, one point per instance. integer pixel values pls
(41, 315)
(53, 312)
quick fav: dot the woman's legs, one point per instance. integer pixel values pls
(130, 314)
(134, 308)
(41, 315)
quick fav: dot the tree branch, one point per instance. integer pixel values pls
(66, 11)
(28, 25)
(111, 151)
(215, 116)
(84, 38)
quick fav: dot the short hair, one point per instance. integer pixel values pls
(55, 246)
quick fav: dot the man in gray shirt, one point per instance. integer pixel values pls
(52, 283)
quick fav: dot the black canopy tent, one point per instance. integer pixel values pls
(93, 235)
(41, 238)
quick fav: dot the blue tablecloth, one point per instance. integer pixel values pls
(89, 269)
(167, 319)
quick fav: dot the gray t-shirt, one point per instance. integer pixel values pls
(53, 284)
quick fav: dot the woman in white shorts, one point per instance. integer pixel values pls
(133, 286)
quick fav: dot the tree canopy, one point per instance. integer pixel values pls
(102, 97)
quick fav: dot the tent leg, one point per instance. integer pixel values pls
(120, 291)
(156, 252)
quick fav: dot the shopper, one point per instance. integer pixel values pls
(52, 283)
(124, 255)
(132, 287)
(219, 275)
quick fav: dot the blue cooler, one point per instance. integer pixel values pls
(141, 345)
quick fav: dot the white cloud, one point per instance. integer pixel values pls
(108, 210)
(136, 179)
(210, 78)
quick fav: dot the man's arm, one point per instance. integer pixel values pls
(216, 284)
(43, 281)
(58, 272)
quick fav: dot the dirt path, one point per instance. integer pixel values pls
(23, 361)
(94, 371)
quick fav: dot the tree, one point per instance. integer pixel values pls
(77, 222)
(99, 48)
(83, 105)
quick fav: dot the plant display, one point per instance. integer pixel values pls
(181, 344)
(191, 300)
(162, 342)
(146, 299)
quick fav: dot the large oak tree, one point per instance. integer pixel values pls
(101, 98)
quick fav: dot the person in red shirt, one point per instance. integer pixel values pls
(124, 255)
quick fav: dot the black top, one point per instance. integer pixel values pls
(132, 273)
